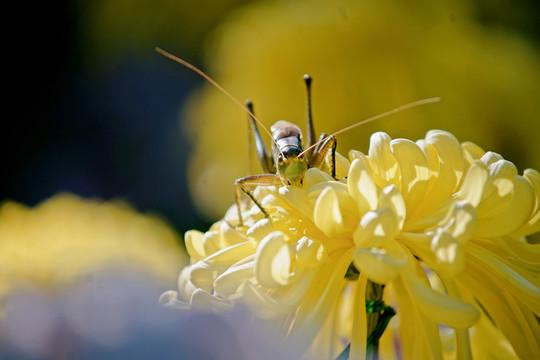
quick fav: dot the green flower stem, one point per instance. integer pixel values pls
(374, 293)
(378, 317)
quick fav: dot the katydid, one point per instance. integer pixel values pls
(289, 161)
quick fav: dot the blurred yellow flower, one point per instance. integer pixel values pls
(67, 237)
(365, 58)
(438, 224)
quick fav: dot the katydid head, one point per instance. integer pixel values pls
(291, 167)
(288, 146)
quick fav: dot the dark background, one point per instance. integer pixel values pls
(108, 125)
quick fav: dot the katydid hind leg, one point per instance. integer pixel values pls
(266, 161)
(318, 158)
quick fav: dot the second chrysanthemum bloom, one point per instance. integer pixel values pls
(439, 223)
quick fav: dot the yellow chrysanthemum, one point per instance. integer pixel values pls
(67, 237)
(439, 223)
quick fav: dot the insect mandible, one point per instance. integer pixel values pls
(288, 161)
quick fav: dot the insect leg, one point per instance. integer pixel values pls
(266, 161)
(320, 152)
(244, 184)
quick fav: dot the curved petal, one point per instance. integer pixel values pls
(379, 265)
(315, 176)
(516, 212)
(473, 184)
(415, 173)
(359, 329)
(376, 229)
(310, 252)
(335, 213)
(273, 263)
(391, 197)
(448, 311)
(362, 187)
(384, 166)
(533, 224)
(449, 254)
(194, 245)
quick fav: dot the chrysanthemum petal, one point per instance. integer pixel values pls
(273, 261)
(376, 229)
(229, 282)
(194, 245)
(526, 290)
(415, 173)
(335, 212)
(503, 309)
(342, 166)
(461, 221)
(317, 303)
(380, 265)
(391, 197)
(384, 166)
(514, 214)
(449, 254)
(362, 187)
(315, 176)
(472, 151)
(448, 311)
(445, 159)
(533, 224)
(473, 184)
(498, 189)
(359, 329)
(309, 252)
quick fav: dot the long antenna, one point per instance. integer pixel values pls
(376, 117)
(211, 81)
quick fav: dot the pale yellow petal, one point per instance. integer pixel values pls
(194, 245)
(315, 176)
(273, 265)
(419, 334)
(359, 330)
(443, 309)
(231, 254)
(472, 188)
(310, 252)
(362, 187)
(335, 213)
(203, 274)
(211, 242)
(533, 224)
(461, 221)
(318, 300)
(525, 289)
(342, 166)
(498, 188)
(415, 173)
(230, 281)
(380, 265)
(472, 151)
(259, 230)
(503, 309)
(516, 212)
(384, 166)
(231, 236)
(449, 254)
(391, 197)
(376, 229)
